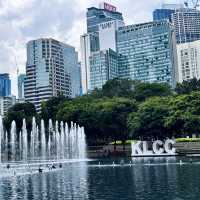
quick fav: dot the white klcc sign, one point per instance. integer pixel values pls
(158, 148)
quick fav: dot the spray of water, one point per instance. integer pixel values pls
(53, 142)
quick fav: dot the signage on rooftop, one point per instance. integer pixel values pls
(108, 7)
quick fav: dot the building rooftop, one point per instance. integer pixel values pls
(172, 6)
(4, 75)
(145, 25)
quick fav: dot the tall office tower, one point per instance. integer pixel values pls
(188, 60)
(49, 70)
(21, 80)
(104, 13)
(187, 25)
(102, 24)
(103, 66)
(75, 75)
(147, 52)
(79, 79)
(5, 85)
(89, 43)
(85, 62)
(166, 11)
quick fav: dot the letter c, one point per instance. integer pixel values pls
(157, 147)
(168, 146)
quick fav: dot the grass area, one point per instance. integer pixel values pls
(128, 142)
(179, 140)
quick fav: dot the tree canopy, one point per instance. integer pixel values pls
(19, 112)
(123, 109)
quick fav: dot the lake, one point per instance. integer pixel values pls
(138, 179)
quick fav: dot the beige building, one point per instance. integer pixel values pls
(6, 103)
(188, 60)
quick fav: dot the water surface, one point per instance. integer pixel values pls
(149, 179)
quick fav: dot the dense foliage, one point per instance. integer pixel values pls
(124, 109)
(19, 112)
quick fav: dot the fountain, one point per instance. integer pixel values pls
(57, 142)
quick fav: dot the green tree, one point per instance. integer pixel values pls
(49, 108)
(143, 91)
(118, 88)
(19, 112)
(187, 87)
(104, 119)
(148, 121)
(184, 116)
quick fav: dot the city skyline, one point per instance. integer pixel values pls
(19, 28)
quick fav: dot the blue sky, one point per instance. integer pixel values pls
(23, 20)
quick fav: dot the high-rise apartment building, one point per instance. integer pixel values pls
(103, 67)
(187, 25)
(49, 71)
(147, 52)
(5, 85)
(21, 80)
(188, 61)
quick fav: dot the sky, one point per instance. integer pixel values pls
(64, 20)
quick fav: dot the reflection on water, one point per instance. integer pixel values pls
(151, 179)
(68, 183)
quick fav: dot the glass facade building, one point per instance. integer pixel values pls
(147, 52)
(163, 14)
(166, 11)
(50, 71)
(96, 16)
(103, 67)
(5, 85)
(102, 23)
(21, 80)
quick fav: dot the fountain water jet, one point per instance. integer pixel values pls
(24, 141)
(43, 140)
(13, 140)
(43, 143)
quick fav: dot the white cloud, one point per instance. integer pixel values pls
(65, 20)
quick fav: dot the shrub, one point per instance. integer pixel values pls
(179, 140)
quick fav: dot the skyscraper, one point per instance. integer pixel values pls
(103, 67)
(187, 25)
(49, 70)
(5, 85)
(147, 52)
(104, 13)
(21, 80)
(165, 13)
(79, 79)
(102, 24)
